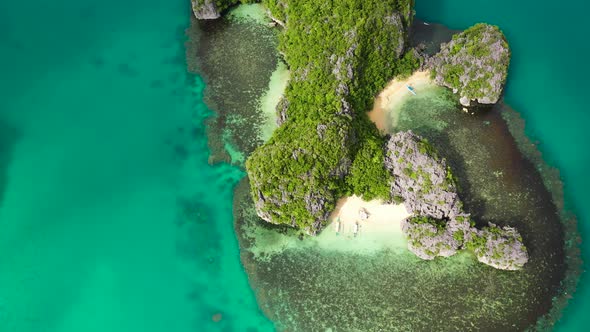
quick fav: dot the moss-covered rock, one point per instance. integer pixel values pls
(212, 9)
(207, 9)
(500, 247)
(429, 237)
(474, 64)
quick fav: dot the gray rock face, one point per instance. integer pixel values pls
(439, 226)
(343, 64)
(501, 248)
(395, 19)
(474, 64)
(428, 240)
(420, 178)
(282, 107)
(465, 101)
(205, 9)
(318, 201)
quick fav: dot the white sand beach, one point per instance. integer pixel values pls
(269, 101)
(380, 217)
(384, 113)
(364, 226)
(380, 231)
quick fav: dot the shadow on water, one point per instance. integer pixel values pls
(498, 184)
(429, 36)
(8, 138)
(534, 166)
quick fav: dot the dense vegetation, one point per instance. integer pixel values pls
(475, 63)
(340, 54)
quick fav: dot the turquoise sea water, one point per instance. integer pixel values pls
(111, 219)
(548, 85)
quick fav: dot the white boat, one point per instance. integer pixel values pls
(355, 228)
(411, 89)
(337, 226)
(425, 23)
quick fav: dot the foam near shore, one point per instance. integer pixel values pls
(385, 112)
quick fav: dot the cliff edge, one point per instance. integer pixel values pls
(439, 226)
(473, 64)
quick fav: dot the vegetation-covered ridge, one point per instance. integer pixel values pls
(474, 64)
(340, 54)
(439, 226)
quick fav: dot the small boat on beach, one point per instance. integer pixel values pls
(355, 228)
(337, 226)
(411, 89)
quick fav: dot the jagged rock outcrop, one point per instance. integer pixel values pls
(501, 248)
(429, 238)
(473, 64)
(281, 110)
(421, 179)
(299, 174)
(205, 9)
(274, 194)
(439, 226)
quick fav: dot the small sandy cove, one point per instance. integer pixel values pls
(358, 218)
(393, 96)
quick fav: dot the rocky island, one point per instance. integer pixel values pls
(210, 9)
(473, 64)
(439, 226)
(326, 148)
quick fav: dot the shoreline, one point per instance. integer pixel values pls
(279, 79)
(378, 216)
(393, 96)
(380, 231)
(364, 226)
